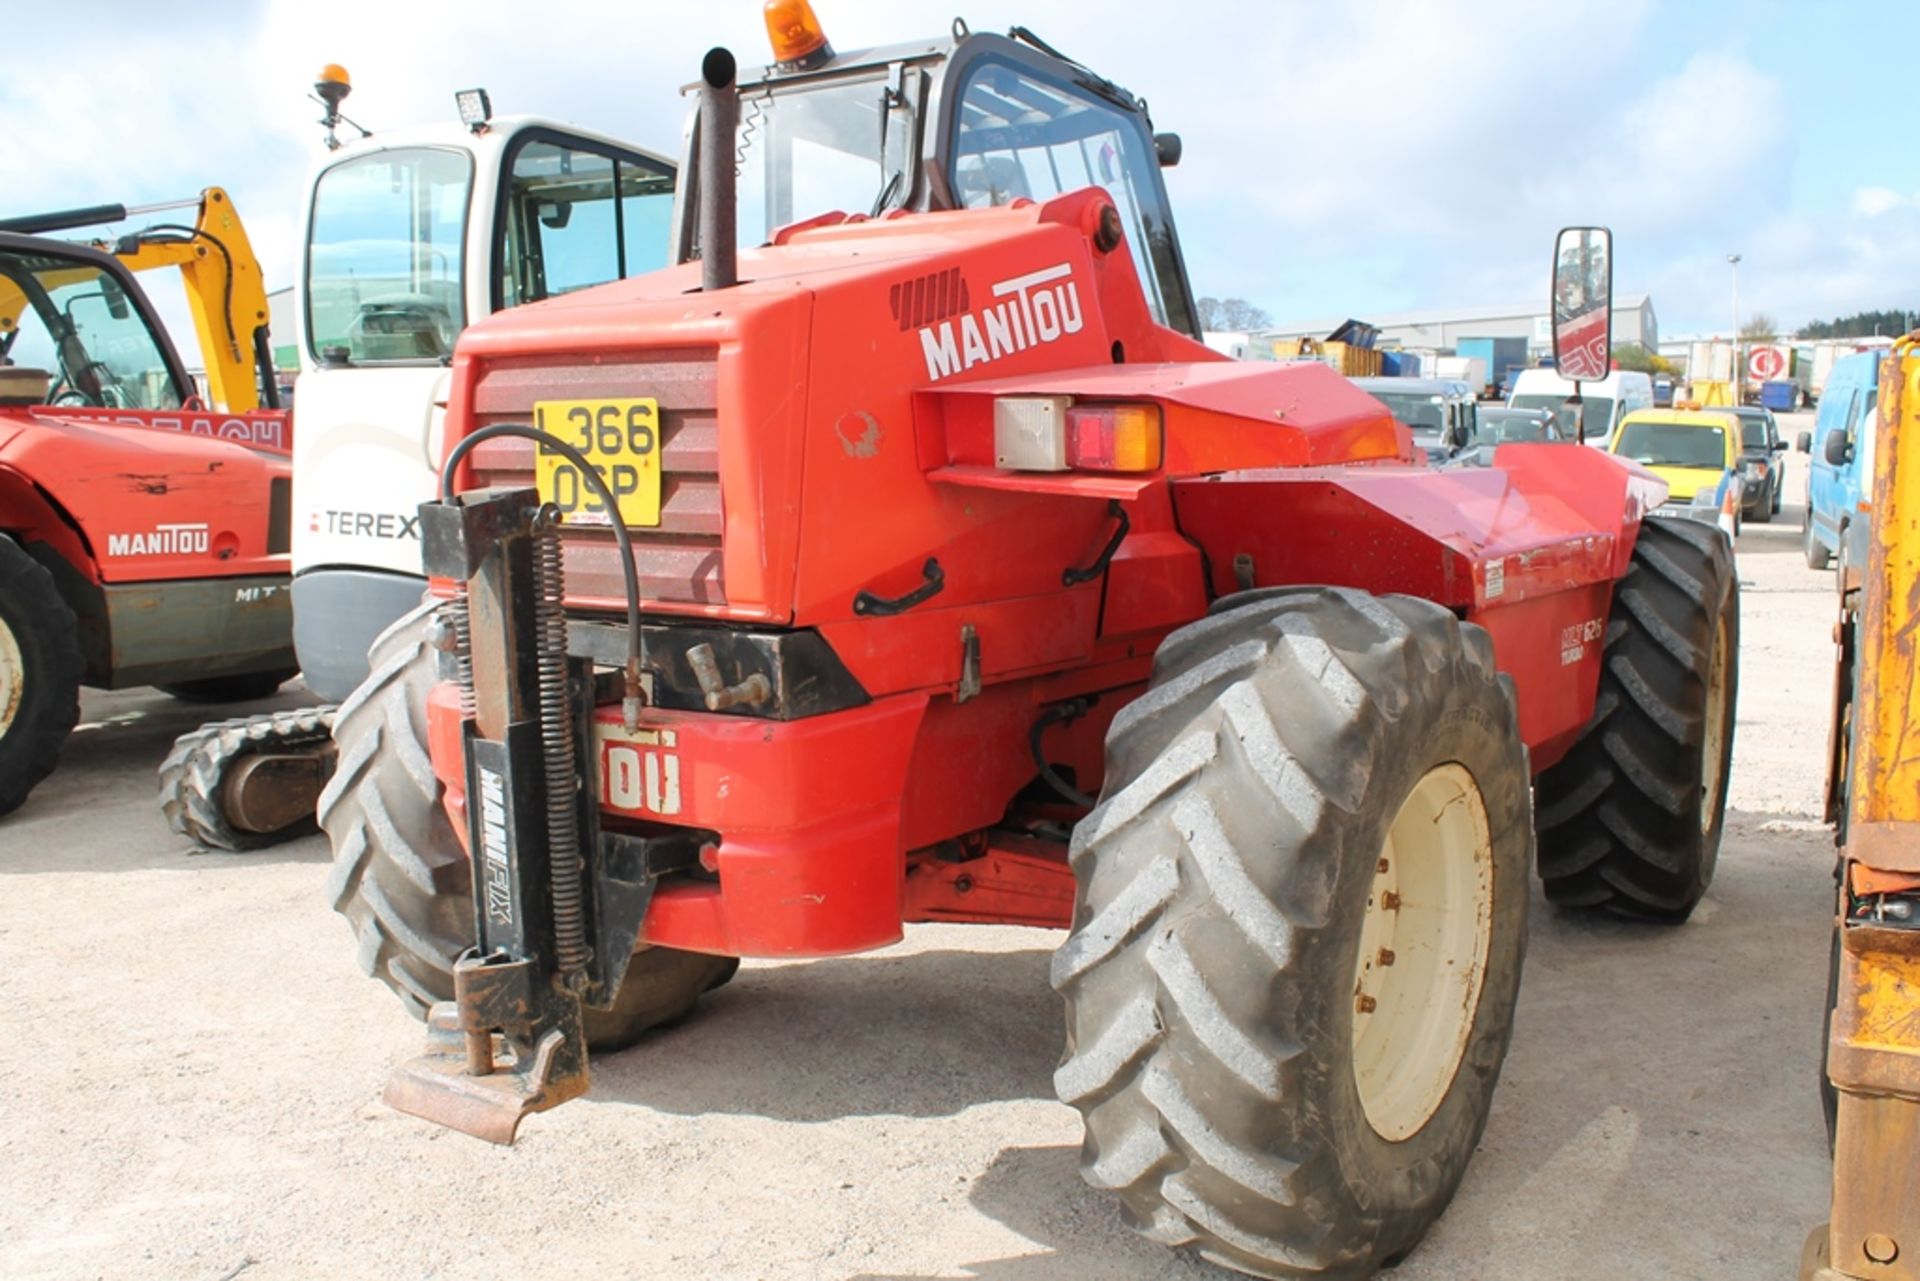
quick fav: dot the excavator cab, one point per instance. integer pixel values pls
(971, 121)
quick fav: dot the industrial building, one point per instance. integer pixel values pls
(1442, 327)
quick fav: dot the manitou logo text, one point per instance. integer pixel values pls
(641, 773)
(164, 540)
(493, 847)
(1035, 310)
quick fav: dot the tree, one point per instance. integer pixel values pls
(1232, 313)
(1633, 356)
(1864, 324)
(1759, 328)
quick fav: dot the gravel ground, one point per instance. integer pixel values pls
(196, 1064)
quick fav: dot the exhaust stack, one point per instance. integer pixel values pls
(719, 121)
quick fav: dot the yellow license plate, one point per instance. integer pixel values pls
(621, 438)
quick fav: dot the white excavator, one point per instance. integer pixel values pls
(409, 236)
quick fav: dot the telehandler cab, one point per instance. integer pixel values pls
(920, 564)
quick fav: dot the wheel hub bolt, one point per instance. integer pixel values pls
(1386, 956)
(1390, 901)
(1365, 1004)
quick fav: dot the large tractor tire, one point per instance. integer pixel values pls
(1631, 818)
(1298, 931)
(229, 689)
(40, 670)
(401, 876)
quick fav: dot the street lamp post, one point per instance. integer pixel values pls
(1733, 341)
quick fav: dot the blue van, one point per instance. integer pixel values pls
(1841, 479)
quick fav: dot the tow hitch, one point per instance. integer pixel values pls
(557, 902)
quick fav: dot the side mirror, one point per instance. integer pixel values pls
(1779, 446)
(1166, 146)
(1582, 303)
(1839, 448)
(1803, 442)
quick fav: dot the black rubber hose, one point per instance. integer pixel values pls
(636, 645)
(194, 233)
(1057, 714)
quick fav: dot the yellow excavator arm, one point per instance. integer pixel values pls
(225, 291)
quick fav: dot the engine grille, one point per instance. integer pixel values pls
(679, 559)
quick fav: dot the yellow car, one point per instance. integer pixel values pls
(1696, 451)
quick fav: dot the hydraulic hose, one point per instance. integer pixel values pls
(194, 233)
(630, 574)
(1058, 714)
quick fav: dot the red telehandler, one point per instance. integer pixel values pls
(143, 530)
(920, 564)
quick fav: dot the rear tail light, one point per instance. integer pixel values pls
(1051, 433)
(1113, 437)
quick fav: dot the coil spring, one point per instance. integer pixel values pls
(557, 751)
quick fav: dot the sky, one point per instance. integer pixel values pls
(1340, 160)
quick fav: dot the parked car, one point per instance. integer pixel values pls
(1440, 412)
(1606, 402)
(1662, 391)
(1761, 474)
(1839, 483)
(1696, 451)
(1503, 425)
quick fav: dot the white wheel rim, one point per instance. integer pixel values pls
(13, 678)
(1716, 730)
(1423, 952)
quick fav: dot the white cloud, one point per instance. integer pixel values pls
(1799, 267)
(1871, 202)
(1338, 159)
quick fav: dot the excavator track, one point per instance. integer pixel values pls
(251, 782)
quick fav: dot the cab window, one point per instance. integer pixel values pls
(575, 216)
(1018, 135)
(388, 238)
(1670, 444)
(1837, 413)
(70, 334)
(1864, 407)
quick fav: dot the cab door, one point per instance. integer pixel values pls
(1016, 126)
(1855, 487)
(574, 212)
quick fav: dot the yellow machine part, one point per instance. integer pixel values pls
(1874, 1055)
(1713, 391)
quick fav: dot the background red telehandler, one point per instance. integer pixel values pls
(921, 565)
(143, 533)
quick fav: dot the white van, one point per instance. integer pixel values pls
(1606, 402)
